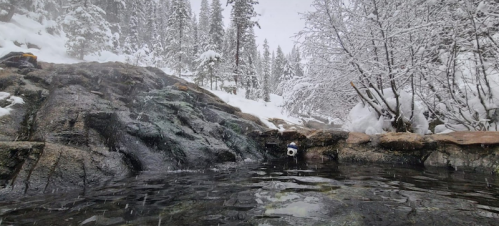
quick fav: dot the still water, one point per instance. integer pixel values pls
(281, 192)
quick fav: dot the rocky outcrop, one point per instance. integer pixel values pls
(471, 151)
(85, 124)
(465, 150)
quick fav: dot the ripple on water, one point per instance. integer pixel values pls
(274, 193)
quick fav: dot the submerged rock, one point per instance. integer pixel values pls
(89, 123)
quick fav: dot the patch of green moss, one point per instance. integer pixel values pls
(234, 127)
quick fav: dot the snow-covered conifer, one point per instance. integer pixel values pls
(179, 36)
(204, 26)
(216, 25)
(87, 30)
(266, 71)
(277, 69)
(241, 16)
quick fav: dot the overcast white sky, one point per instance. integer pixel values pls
(279, 20)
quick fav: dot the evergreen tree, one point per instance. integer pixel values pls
(278, 68)
(259, 66)
(113, 10)
(151, 29)
(295, 61)
(196, 50)
(216, 25)
(204, 26)
(163, 12)
(248, 64)
(86, 29)
(42, 9)
(132, 40)
(242, 13)
(266, 71)
(179, 36)
(208, 61)
(155, 44)
(228, 53)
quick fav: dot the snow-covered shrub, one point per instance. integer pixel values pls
(362, 118)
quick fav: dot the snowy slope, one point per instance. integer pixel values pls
(52, 49)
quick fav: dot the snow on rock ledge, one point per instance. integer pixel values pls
(13, 101)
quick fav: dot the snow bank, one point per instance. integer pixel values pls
(362, 118)
(13, 101)
(21, 31)
(259, 108)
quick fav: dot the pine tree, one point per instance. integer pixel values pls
(288, 75)
(86, 29)
(132, 40)
(196, 50)
(151, 29)
(259, 65)
(216, 25)
(113, 10)
(163, 12)
(248, 66)
(295, 61)
(228, 53)
(278, 68)
(155, 44)
(242, 13)
(204, 26)
(42, 9)
(208, 61)
(266, 71)
(178, 36)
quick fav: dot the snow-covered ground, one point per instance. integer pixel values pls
(261, 109)
(16, 35)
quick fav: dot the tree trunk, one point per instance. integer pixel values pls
(238, 43)
(211, 78)
(179, 67)
(10, 14)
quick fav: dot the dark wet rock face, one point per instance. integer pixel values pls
(85, 124)
(469, 151)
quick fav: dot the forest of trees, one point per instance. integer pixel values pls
(402, 59)
(167, 34)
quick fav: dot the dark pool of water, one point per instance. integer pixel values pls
(274, 193)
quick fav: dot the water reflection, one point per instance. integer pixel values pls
(275, 193)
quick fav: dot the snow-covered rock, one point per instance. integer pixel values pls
(13, 101)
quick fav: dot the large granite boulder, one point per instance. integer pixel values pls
(84, 124)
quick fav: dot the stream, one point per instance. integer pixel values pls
(280, 192)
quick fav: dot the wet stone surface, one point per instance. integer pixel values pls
(273, 193)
